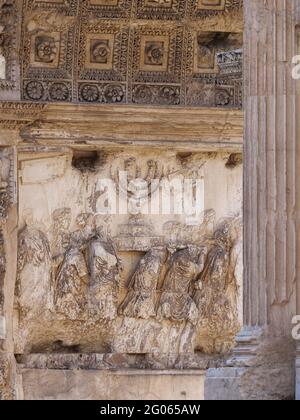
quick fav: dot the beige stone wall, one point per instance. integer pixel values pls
(120, 385)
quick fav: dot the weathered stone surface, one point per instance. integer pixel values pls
(223, 384)
(298, 384)
(95, 279)
(93, 298)
(2, 328)
(117, 385)
(267, 354)
(64, 361)
(7, 377)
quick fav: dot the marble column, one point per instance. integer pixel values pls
(263, 365)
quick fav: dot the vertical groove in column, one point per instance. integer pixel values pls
(297, 166)
(271, 173)
(291, 163)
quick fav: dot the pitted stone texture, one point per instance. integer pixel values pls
(116, 385)
(7, 377)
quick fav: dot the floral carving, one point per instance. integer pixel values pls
(222, 98)
(113, 93)
(170, 95)
(142, 94)
(59, 92)
(2, 272)
(160, 3)
(100, 56)
(154, 53)
(161, 9)
(100, 52)
(89, 93)
(35, 90)
(164, 95)
(46, 49)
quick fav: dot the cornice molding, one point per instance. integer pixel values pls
(108, 125)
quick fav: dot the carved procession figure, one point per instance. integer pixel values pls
(34, 268)
(72, 276)
(61, 230)
(204, 230)
(218, 319)
(176, 303)
(105, 269)
(2, 273)
(5, 166)
(140, 301)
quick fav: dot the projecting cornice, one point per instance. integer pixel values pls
(207, 129)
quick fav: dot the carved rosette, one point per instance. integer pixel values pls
(121, 53)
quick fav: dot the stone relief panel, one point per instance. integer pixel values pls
(2, 278)
(7, 181)
(107, 8)
(141, 52)
(47, 65)
(7, 391)
(94, 277)
(7, 200)
(10, 16)
(34, 268)
(102, 57)
(161, 9)
(67, 7)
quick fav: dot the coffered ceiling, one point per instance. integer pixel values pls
(149, 52)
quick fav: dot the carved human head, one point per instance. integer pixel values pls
(194, 252)
(103, 227)
(62, 217)
(130, 163)
(160, 252)
(209, 216)
(223, 230)
(85, 219)
(28, 217)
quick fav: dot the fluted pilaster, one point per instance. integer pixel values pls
(272, 164)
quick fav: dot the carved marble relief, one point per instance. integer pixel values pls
(9, 26)
(141, 52)
(7, 391)
(140, 301)
(217, 289)
(7, 188)
(127, 283)
(2, 273)
(7, 200)
(105, 268)
(71, 276)
(34, 268)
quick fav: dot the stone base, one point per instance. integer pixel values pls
(40, 384)
(223, 384)
(255, 383)
(7, 376)
(298, 374)
(262, 367)
(298, 384)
